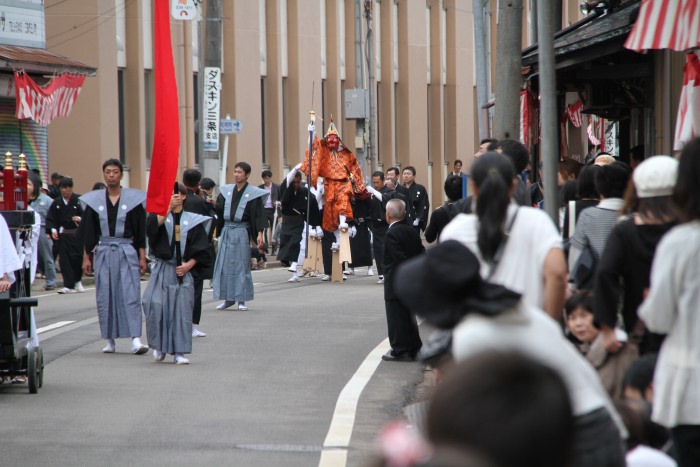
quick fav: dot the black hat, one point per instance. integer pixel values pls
(444, 285)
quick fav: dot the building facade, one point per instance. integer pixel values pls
(279, 59)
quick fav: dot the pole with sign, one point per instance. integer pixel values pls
(184, 10)
(227, 127)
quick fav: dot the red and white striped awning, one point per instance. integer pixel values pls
(666, 24)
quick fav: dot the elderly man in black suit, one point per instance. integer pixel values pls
(402, 242)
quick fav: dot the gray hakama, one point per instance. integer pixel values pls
(168, 305)
(232, 279)
(116, 266)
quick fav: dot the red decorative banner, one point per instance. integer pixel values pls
(166, 137)
(44, 103)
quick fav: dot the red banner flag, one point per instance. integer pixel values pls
(166, 137)
(44, 103)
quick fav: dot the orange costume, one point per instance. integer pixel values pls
(339, 170)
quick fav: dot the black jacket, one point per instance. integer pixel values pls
(402, 242)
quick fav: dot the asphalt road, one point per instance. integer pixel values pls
(261, 389)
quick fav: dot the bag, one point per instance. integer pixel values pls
(583, 271)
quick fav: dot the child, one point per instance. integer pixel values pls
(258, 255)
(610, 367)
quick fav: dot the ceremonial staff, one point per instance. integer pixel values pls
(312, 120)
(176, 220)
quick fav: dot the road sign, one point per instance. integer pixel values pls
(230, 127)
(183, 9)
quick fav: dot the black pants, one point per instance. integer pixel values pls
(403, 329)
(198, 289)
(70, 252)
(378, 234)
(686, 441)
(270, 215)
(326, 242)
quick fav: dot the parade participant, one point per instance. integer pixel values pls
(361, 242)
(402, 243)
(292, 240)
(62, 223)
(271, 204)
(54, 191)
(532, 261)
(240, 219)
(40, 203)
(382, 192)
(417, 198)
(342, 180)
(169, 298)
(195, 203)
(114, 228)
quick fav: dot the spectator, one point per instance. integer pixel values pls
(442, 215)
(54, 190)
(587, 196)
(594, 225)
(646, 439)
(41, 204)
(625, 265)
(610, 366)
(569, 169)
(604, 159)
(638, 381)
(518, 154)
(503, 409)
(445, 287)
(532, 263)
(672, 308)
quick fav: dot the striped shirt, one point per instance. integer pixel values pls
(594, 225)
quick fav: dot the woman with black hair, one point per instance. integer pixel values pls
(586, 197)
(672, 309)
(517, 246)
(443, 215)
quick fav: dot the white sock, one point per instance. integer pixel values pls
(136, 342)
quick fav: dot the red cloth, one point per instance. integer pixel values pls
(166, 137)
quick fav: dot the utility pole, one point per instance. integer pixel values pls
(508, 65)
(210, 58)
(359, 84)
(371, 68)
(548, 107)
(481, 75)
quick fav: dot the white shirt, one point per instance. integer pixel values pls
(521, 268)
(673, 308)
(9, 260)
(532, 332)
(644, 456)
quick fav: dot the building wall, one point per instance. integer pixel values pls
(419, 116)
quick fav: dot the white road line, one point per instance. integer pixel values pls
(335, 453)
(50, 327)
(69, 327)
(55, 294)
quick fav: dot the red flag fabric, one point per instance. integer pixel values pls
(44, 103)
(166, 137)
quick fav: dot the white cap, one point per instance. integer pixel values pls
(655, 176)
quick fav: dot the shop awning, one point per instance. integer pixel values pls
(40, 61)
(589, 38)
(666, 24)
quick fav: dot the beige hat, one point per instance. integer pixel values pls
(655, 176)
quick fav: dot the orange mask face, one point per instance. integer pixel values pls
(332, 141)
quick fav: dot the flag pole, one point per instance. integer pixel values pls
(312, 121)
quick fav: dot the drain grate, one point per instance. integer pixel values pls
(288, 447)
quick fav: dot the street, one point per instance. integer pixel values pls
(261, 389)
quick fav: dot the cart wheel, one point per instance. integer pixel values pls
(32, 371)
(40, 367)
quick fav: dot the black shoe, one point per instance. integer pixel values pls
(389, 357)
(50, 287)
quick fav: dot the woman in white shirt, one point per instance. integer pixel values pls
(672, 308)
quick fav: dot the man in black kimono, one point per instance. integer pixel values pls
(196, 204)
(402, 243)
(62, 221)
(240, 219)
(169, 298)
(417, 198)
(294, 208)
(382, 192)
(393, 173)
(114, 229)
